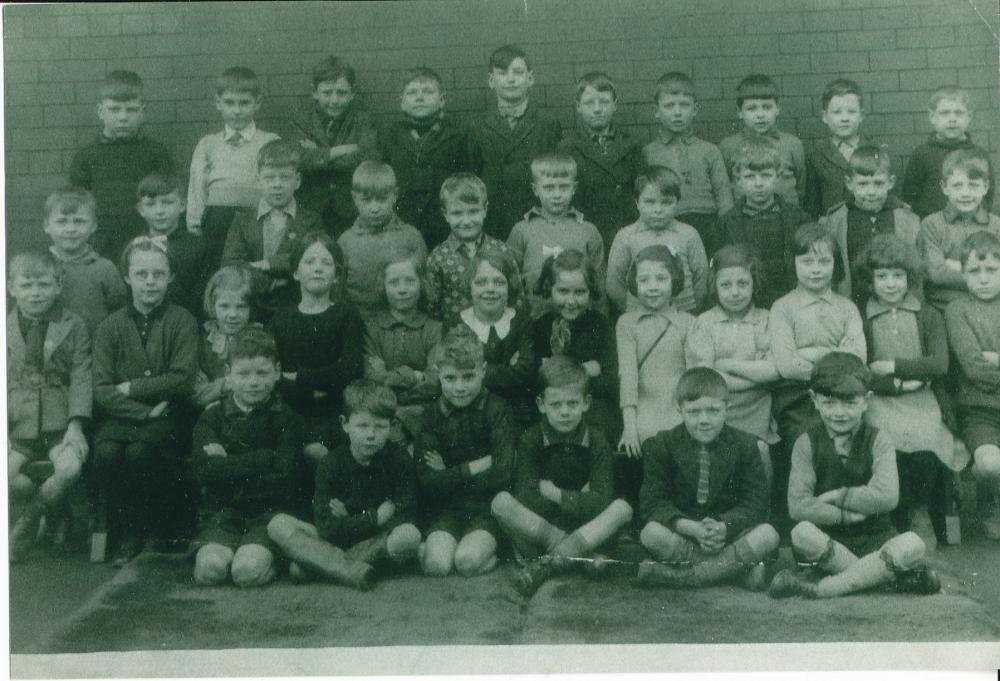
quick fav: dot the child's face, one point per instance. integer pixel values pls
(422, 99)
(238, 109)
(675, 112)
(70, 231)
(950, 119)
(843, 116)
(460, 386)
(333, 96)
(121, 119)
(513, 83)
(252, 379)
(596, 108)
(368, 434)
(465, 219)
(704, 418)
(564, 407)
(982, 276)
(656, 209)
(964, 194)
(316, 270)
(554, 193)
(374, 210)
(757, 185)
(870, 191)
(402, 286)
(161, 213)
(278, 184)
(34, 293)
(232, 311)
(841, 416)
(570, 295)
(814, 270)
(148, 277)
(890, 284)
(734, 286)
(653, 284)
(759, 115)
(488, 290)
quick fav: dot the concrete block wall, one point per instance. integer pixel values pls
(899, 50)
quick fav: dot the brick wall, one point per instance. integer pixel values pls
(899, 50)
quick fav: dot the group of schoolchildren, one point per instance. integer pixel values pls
(352, 402)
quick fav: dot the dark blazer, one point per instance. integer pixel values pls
(421, 166)
(826, 168)
(502, 158)
(605, 181)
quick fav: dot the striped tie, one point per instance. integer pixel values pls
(703, 464)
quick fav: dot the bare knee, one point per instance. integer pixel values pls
(503, 504)
(905, 551)
(66, 466)
(475, 554)
(808, 540)
(403, 541)
(761, 541)
(621, 510)
(987, 462)
(253, 565)
(211, 564)
(281, 528)
(20, 486)
(438, 554)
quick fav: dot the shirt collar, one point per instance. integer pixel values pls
(875, 307)
(263, 208)
(53, 314)
(230, 408)
(482, 329)
(753, 134)
(806, 298)
(154, 314)
(394, 224)
(512, 112)
(598, 135)
(951, 215)
(579, 436)
(246, 133)
(752, 211)
(671, 315)
(87, 256)
(385, 320)
(666, 136)
(104, 139)
(479, 403)
(458, 245)
(571, 214)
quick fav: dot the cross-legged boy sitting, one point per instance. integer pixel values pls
(246, 456)
(704, 494)
(842, 486)
(563, 483)
(365, 500)
(49, 395)
(466, 449)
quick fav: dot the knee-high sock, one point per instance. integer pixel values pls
(525, 524)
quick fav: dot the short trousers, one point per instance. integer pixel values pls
(459, 524)
(980, 426)
(232, 530)
(38, 449)
(863, 544)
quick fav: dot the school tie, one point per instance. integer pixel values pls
(275, 224)
(703, 467)
(842, 445)
(235, 141)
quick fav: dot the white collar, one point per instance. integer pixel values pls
(246, 133)
(482, 329)
(264, 208)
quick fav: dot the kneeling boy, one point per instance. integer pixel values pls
(704, 494)
(365, 499)
(246, 455)
(563, 483)
(842, 485)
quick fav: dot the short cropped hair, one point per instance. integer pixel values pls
(949, 92)
(332, 69)
(839, 88)
(598, 80)
(34, 264)
(159, 184)
(666, 181)
(238, 79)
(373, 178)
(279, 154)
(568, 260)
(251, 343)
(364, 395)
(757, 156)
(983, 244)
(973, 162)
(329, 243)
(463, 187)
(561, 371)
(888, 251)
(144, 244)
(231, 278)
(423, 74)
(673, 83)
(869, 159)
(553, 164)
(699, 382)
(810, 235)
(734, 255)
(842, 375)
(68, 200)
(503, 262)
(121, 86)
(657, 253)
(459, 349)
(502, 57)
(756, 86)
